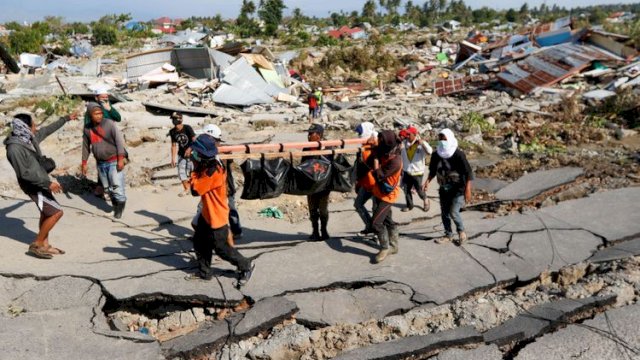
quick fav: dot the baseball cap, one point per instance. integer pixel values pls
(213, 130)
(316, 128)
(403, 134)
(412, 130)
(205, 146)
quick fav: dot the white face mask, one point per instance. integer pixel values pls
(443, 143)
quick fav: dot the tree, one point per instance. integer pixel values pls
(511, 15)
(271, 13)
(26, 39)
(523, 14)
(297, 19)
(369, 11)
(104, 34)
(245, 23)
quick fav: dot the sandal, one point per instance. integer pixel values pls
(55, 251)
(39, 251)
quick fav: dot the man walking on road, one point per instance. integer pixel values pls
(32, 168)
(365, 181)
(450, 166)
(414, 157)
(182, 137)
(208, 180)
(319, 202)
(104, 140)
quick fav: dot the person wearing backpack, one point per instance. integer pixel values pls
(385, 192)
(449, 164)
(105, 141)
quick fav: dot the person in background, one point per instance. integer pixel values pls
(24, 155)
(414, 157)
(105, 141)
(449, 164)
(313, 106)
(182, 137)
(385, 192)
(320, 98)
(208, 180)
(365, 181)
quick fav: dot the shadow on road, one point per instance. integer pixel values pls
(14, 228)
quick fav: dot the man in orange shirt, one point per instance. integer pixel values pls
(385, 192)
(209, 181)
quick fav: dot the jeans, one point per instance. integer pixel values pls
(361, 199)
(185, 167)
(450, 205)
(112, 180)
(412, 182)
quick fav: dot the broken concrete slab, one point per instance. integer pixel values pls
(204, 339)
(498, 241)
(264, 315)
(538, 182)
(489, 185)
(351, 306)
(542, 318)
(483, 352)
(618, 222)
(618, 251)
(592, 339)
(172, 285)
(421, 346)
(550, 250)
(210, 336)
(51, 306)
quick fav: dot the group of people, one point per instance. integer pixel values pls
(388, 161)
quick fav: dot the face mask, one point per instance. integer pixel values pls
(443, 143)
(176, 122)
(194, 156)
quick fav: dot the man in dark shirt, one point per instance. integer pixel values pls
(450, 166)
(318, 202)
(182, 136)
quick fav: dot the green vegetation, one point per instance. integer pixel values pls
(62, 105)
(472, 120)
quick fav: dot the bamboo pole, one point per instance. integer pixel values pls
(285, 148)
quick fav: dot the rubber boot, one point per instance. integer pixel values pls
(382, 254)
(324, 220)
(118, 208)
(393, 239)
(315, 235)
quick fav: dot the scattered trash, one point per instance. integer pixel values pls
(271, 211)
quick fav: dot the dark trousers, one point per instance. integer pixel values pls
(206, 240)
(234, 217)
(382, 222)
(412, 182)
(318, 206)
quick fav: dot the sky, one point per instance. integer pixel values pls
(144, 10)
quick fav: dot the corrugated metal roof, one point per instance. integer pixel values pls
(140, 64)
(195, 62)
(549, 66)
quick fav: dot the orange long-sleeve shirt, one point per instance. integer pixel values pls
(213, 192)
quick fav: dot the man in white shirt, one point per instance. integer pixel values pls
(414, 156)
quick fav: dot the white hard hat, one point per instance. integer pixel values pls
(213, 130)
(100, 89)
